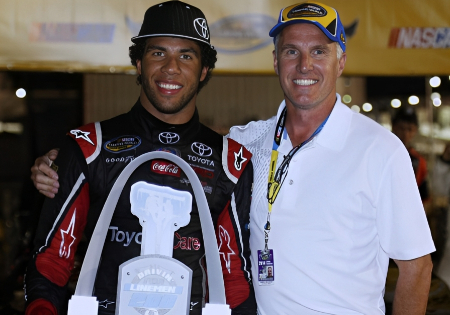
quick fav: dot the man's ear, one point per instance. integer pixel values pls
(275, 62)
(204, 73)
(138, 66)
(341, 63)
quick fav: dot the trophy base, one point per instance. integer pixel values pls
(86, 305)
(216, 309)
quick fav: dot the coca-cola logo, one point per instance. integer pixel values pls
(166, 168)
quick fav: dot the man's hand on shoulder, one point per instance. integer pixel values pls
(44, 178)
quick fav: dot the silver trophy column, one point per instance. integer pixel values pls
(82, 302)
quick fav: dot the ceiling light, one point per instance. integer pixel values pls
(413, 100)
(435, 81)
(396, 103)
(367, 107)
(355, 108)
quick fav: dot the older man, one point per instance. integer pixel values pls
(334, 193)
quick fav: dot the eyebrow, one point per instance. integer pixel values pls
(183, 50)
(292, 46)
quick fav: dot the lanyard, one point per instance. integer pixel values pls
(276, 177)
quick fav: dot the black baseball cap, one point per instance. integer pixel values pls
(174, 19)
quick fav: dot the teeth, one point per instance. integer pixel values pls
(305, 82)
(169, 86)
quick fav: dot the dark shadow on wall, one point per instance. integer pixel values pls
(29, 127)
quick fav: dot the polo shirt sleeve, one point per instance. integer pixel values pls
(401, 221)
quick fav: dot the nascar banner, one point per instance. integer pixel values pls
(384, 37)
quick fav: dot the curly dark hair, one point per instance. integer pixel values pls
(208, 59)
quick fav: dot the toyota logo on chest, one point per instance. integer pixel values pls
(201, 149)
(168, 137)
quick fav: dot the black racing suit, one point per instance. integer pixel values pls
(88, 168)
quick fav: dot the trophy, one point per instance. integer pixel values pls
(153, 283)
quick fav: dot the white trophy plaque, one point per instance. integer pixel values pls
(155, 283)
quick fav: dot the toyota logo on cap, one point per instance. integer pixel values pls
(168, 137)
(201, 149)
(201, 27)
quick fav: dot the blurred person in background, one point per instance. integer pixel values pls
(440, 184)
(405, 126)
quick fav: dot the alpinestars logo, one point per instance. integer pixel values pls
(82, 134)
(168, 137)
(201, 27)
(239, 159)
(105, 303)
(67, 238)
(192, 305)
(224, 248)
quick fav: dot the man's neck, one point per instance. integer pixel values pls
(301, 124)
(181, 117)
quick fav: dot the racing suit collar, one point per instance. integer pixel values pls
(149, 124)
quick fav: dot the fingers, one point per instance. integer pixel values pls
(47, 194)
(44, 178)
(52, 154)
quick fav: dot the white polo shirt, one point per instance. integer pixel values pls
(349, 202)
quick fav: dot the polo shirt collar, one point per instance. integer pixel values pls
(335, 131)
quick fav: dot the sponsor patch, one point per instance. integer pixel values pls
(168, 137)
(165, 168)
(203, 172)
(306, 10)
(237, 157)
(67, 238)
(125, 237)
(207, 189)
(201, 149)
(186, 243)
(123, 159)
(79, 134)
(170, 150)
(225, 249)
(200, 160)
(201, 27)
(122, 143)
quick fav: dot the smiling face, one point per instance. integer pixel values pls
(307, 65)
(171, 71)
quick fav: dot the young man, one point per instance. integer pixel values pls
(334, 193)
(174, 59)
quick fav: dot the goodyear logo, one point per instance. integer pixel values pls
(122, 143)
(243, 33)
